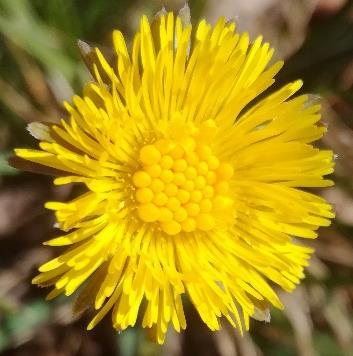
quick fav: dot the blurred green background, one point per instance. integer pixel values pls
(40, 67)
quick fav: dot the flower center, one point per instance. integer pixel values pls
(181, 187)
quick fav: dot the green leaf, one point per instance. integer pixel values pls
(4, 340)
(28, 317)
(20, 24)
(128, 342)
(5, 168)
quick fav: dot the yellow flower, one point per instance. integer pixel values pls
(192, 182)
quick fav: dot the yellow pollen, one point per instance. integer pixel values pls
(167, 176)
(200, 182)
(177, 152)
(149, 155)
(189, 144)
(213, 162)
(196, 196)
(171, 189)
(202, 168)
(192, 208)
(221, 202)
(211, 177)
(222, 188)
(206, 205)
(160, 199)
(171, 227)
(225, 171)
(205, 222)
(141, 179)
(173, 203)
(180, 214)
(191, 173)
(208, 191)
(204, 151)
(154, 171)
(182, 187)
(148, 212)
(166, 162)
(189, 185)
(179, 178)
(144, 195)
(192, 159)
(165, 215)
(157, 185)
(188, 225)
(183, 196)
(163, 146)
(180, 165)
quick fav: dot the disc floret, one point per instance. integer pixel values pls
(181, 187)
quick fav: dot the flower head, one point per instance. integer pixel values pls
(192, 182)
